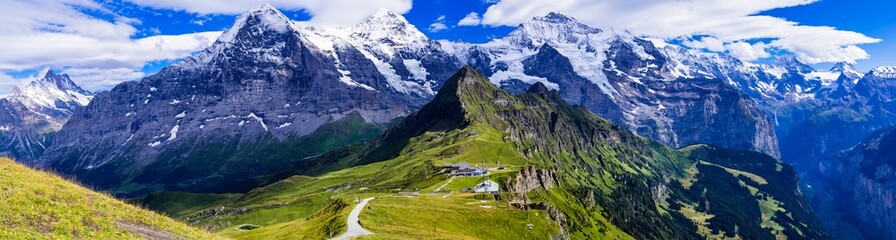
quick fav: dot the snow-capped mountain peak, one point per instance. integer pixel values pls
(884, 72)
(264, 16)
(258, 34)
(791, 63)
(557, 17)
(842, 67)
(846, 70)
(62, 81)
(550, 28)
(385, 25)
(50, 92)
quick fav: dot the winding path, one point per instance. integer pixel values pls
(354, 228)
(446, 184)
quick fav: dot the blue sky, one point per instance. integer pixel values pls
(139, 37)
(873, 18)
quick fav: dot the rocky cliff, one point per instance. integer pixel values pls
(861, 184)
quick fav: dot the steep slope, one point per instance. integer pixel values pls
(861, 188)
(559, 162)
(39, 205)
(220, 120)
(625, 79)
(32, 113)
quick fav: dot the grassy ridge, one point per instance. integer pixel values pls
(39, 205)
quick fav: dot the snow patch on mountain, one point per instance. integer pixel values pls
(269, 16)
(260, 121)
(884, 72)
(173, 133)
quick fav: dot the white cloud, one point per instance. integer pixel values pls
(472, 19)
(746, 51)
(97, 78)
(728, 21)
(324, 12)
(37, 34)
(200, 21)
(438, 25)
(7, 83)
(708, 43)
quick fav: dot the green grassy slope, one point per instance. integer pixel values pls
(597, 181)
(39, 205)
(749, 190)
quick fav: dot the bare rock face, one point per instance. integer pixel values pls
(862, 183)
(532, 179)
(220, 120)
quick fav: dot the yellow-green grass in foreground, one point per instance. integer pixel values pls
(40, 205)
(181, 204)
(324, 224)
(457, 217)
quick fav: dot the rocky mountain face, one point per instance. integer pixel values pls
(595, 179)
(248, 105)
(861, 188)
(841, 115)
(667, 94)
(32, 113)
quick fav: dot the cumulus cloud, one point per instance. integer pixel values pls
(730, 22)
(7, 82)
(708, 43)
(471, 19)
(323, 12)
(746, 51)
(58, 33)
(438, 25)
(99, 78)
